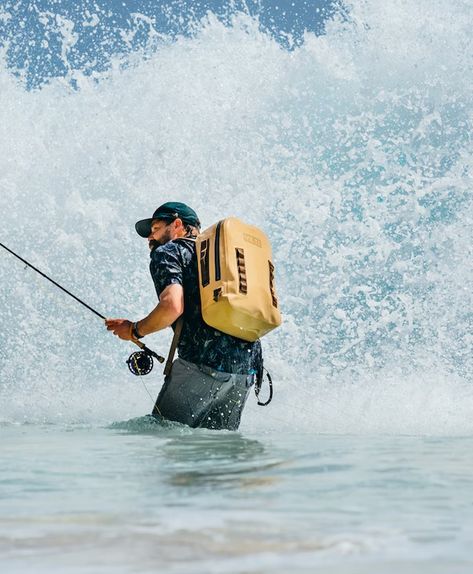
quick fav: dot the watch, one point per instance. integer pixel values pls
(135, 332)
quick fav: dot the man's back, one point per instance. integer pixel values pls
(176, 262)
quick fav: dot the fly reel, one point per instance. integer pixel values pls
(140, 363)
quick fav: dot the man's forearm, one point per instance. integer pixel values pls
(159, 318)
(165, 313)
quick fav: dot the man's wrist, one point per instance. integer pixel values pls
(135, 332)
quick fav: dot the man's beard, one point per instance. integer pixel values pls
(153, 243)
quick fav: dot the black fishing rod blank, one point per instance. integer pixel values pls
(140, 362)
(53, 282)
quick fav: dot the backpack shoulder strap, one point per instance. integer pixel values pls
(192, 239)
(174, 344)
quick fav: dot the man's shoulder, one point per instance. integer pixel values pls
(187, 243)
(182, 249)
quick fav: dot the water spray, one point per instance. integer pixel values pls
(139, 362)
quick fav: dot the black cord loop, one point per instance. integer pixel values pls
(258, 385)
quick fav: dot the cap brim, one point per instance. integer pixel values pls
(143, 227)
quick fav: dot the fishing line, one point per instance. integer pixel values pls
(141, 364)
(146, 389)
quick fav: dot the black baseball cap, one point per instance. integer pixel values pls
(168, 212)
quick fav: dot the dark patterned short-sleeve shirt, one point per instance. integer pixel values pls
(176, 262)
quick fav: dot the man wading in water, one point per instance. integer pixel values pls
(211, 378)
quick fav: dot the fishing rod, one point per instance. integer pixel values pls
(140, 362)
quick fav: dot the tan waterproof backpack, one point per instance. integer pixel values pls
(236, 280)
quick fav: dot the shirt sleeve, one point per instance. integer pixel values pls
(166, 266)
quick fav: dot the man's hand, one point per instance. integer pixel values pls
(121, 328)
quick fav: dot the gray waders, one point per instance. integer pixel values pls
(200, 396)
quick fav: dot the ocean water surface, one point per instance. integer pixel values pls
(133, 498)
(344, 131)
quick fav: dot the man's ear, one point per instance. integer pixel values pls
(178, 223)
